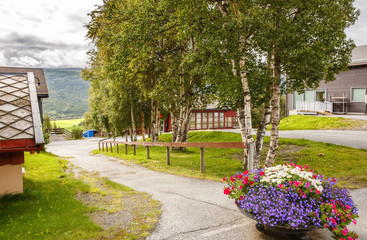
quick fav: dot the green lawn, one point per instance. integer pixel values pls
(303, 122)
(345, 163)
(48, 209)
(69, 124)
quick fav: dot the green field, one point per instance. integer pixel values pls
(345, 163)
(69, 124)
(303, 122)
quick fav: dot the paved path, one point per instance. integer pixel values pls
(356, 139)
(351, 138)
(192, 208)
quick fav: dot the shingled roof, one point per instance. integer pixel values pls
(19, 111)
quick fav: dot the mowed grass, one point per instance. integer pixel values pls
(345, 163)
(48, 208)
(69, 124)
(303, 122)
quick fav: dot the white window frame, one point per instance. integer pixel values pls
(351, 93)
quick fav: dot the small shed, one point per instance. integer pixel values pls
(20, 126)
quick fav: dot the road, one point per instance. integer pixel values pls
(192, 208)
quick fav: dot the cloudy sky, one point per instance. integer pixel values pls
(51, 33)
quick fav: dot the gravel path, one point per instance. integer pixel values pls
(192, 208)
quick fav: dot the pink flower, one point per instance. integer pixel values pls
(349, 238)
(333, 220)
(333, 205)
(227, 191)
(347, 207)
(354, 221)
(224, 179)
(280, 185)
(241, 187)
(290, 182)
(297, 183)
(306, 166)
(325, 226)
(245, 172)
(344, 232)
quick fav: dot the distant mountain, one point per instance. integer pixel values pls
(68, 93)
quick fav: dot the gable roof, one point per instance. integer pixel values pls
(20, 117)
(39, 76)
(359, 56)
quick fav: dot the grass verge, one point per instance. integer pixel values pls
(49, 209)
(303, 122)
(345, 163)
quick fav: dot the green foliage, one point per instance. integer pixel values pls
(327, 159)
(46, 125)
(77, 133)
(68, 93)
(303, 122)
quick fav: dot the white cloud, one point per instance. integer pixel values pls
(2, 59)
(56, 29)
(358, 32)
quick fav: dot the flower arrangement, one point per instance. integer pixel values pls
(296, 197)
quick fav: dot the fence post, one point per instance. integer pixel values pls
(148, 153)
(202, 160)
(250, 162)
(168, 157)
(106, 147)
(125, 148)
(99, 146)
(111, 147)
(102, 146)
(117, 148)
(134, 150)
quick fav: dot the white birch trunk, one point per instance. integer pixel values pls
(133, 125)
(275, 115)
(261, 134)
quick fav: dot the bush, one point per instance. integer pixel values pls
(77, 133)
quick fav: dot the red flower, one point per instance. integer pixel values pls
(224, 179)
(245, 172)
(314, 176)
(227, 191)
(344, 232)
(262, 174)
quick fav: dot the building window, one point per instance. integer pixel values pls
(205, 120)
(216, 119)
(309, 96)
(192, 121)
(210, 120)
(297, 98)
(229, 122)
(358, 94)
(198, 121)
(221, 115)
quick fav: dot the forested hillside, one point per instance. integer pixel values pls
(68, 93)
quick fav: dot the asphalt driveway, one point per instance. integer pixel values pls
(192, 208)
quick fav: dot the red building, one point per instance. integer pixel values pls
(209, 118)
(21, 91)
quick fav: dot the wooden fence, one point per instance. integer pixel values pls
(61, 131)
(103, 144)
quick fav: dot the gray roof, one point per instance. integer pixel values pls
(19, 112)
(359, 55)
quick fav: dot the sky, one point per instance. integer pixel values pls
(51, 33)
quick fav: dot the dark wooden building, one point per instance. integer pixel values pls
(347, 94)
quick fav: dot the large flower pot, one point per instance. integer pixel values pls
(300, 233)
